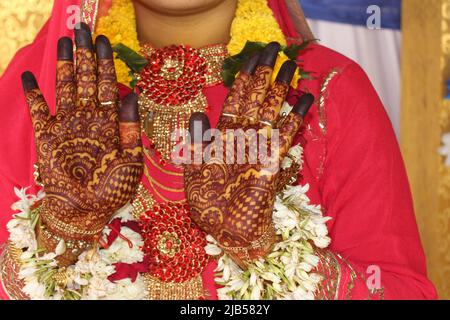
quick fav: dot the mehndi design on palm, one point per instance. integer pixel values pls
(89, 152)
(234, 202)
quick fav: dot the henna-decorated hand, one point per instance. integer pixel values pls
(89, 152)
(234, 202)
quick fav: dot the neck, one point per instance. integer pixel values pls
(188, 28)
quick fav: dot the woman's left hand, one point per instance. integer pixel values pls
(231, 200)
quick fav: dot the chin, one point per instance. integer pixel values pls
(175, 7)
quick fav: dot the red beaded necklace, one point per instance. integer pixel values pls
(172, 89)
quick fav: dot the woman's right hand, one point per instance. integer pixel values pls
(90, 152)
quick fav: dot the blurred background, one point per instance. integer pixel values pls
(404, 46)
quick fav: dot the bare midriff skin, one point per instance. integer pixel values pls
(194, 22)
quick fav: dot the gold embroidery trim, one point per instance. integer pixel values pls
(189, 290)
(9, 272)
(323, 91)
(142, 202)
(351, 282)
(89, 10)
(354, 275)
(330, 270)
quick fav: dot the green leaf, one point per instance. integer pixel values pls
(233, 64)
(134, 60)
(305, 75)
(134, 80)
(294, 49)
(228, 77)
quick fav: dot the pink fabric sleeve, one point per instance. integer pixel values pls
(365, 189)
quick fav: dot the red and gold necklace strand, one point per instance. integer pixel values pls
(172, 89)
(174, 247)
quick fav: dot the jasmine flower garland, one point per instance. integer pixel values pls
(88, 277)
(287, 272)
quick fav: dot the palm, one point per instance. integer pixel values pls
(233, 200)
(82, 159)
(89, 152)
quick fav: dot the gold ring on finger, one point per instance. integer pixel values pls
(230, 115)
(107, 103)
(266, 123)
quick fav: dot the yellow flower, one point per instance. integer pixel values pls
(254, 21)
(120, 27)
(282, 58)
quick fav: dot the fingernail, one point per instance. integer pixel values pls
(129, 109)
(65, 49)
(29, 81)
(103, 48)
(303, 104)
(250, 66)
(198, 125)
(269, 54)
(83, 38)
(286, 72)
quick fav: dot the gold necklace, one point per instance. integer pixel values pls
(172, 87)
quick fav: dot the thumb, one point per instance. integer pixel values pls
(129, 125)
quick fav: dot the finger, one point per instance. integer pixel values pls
(232, 106)
(129, 125)
(86, 70)
(199, 129)
(269, 111)
(107, 81)
(293, 122)
(260, 82)
(36, 102)
(65, 78)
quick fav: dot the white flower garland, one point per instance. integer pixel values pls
(286, 273)
(88, 277)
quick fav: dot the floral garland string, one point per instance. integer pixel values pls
(287, 272)
(90, 277)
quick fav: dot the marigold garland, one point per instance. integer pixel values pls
(119, 25)
(254, 21)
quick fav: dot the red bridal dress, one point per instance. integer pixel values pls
(352, 164)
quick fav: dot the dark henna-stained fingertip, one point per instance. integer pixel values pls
(287, 72)
(128, 111)
(28, 81)
(198, 125)
(103, 47)
(83, 37)
(303, 104)
(65, 49)
(269, 55)
(83, 26)
(250, 66)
